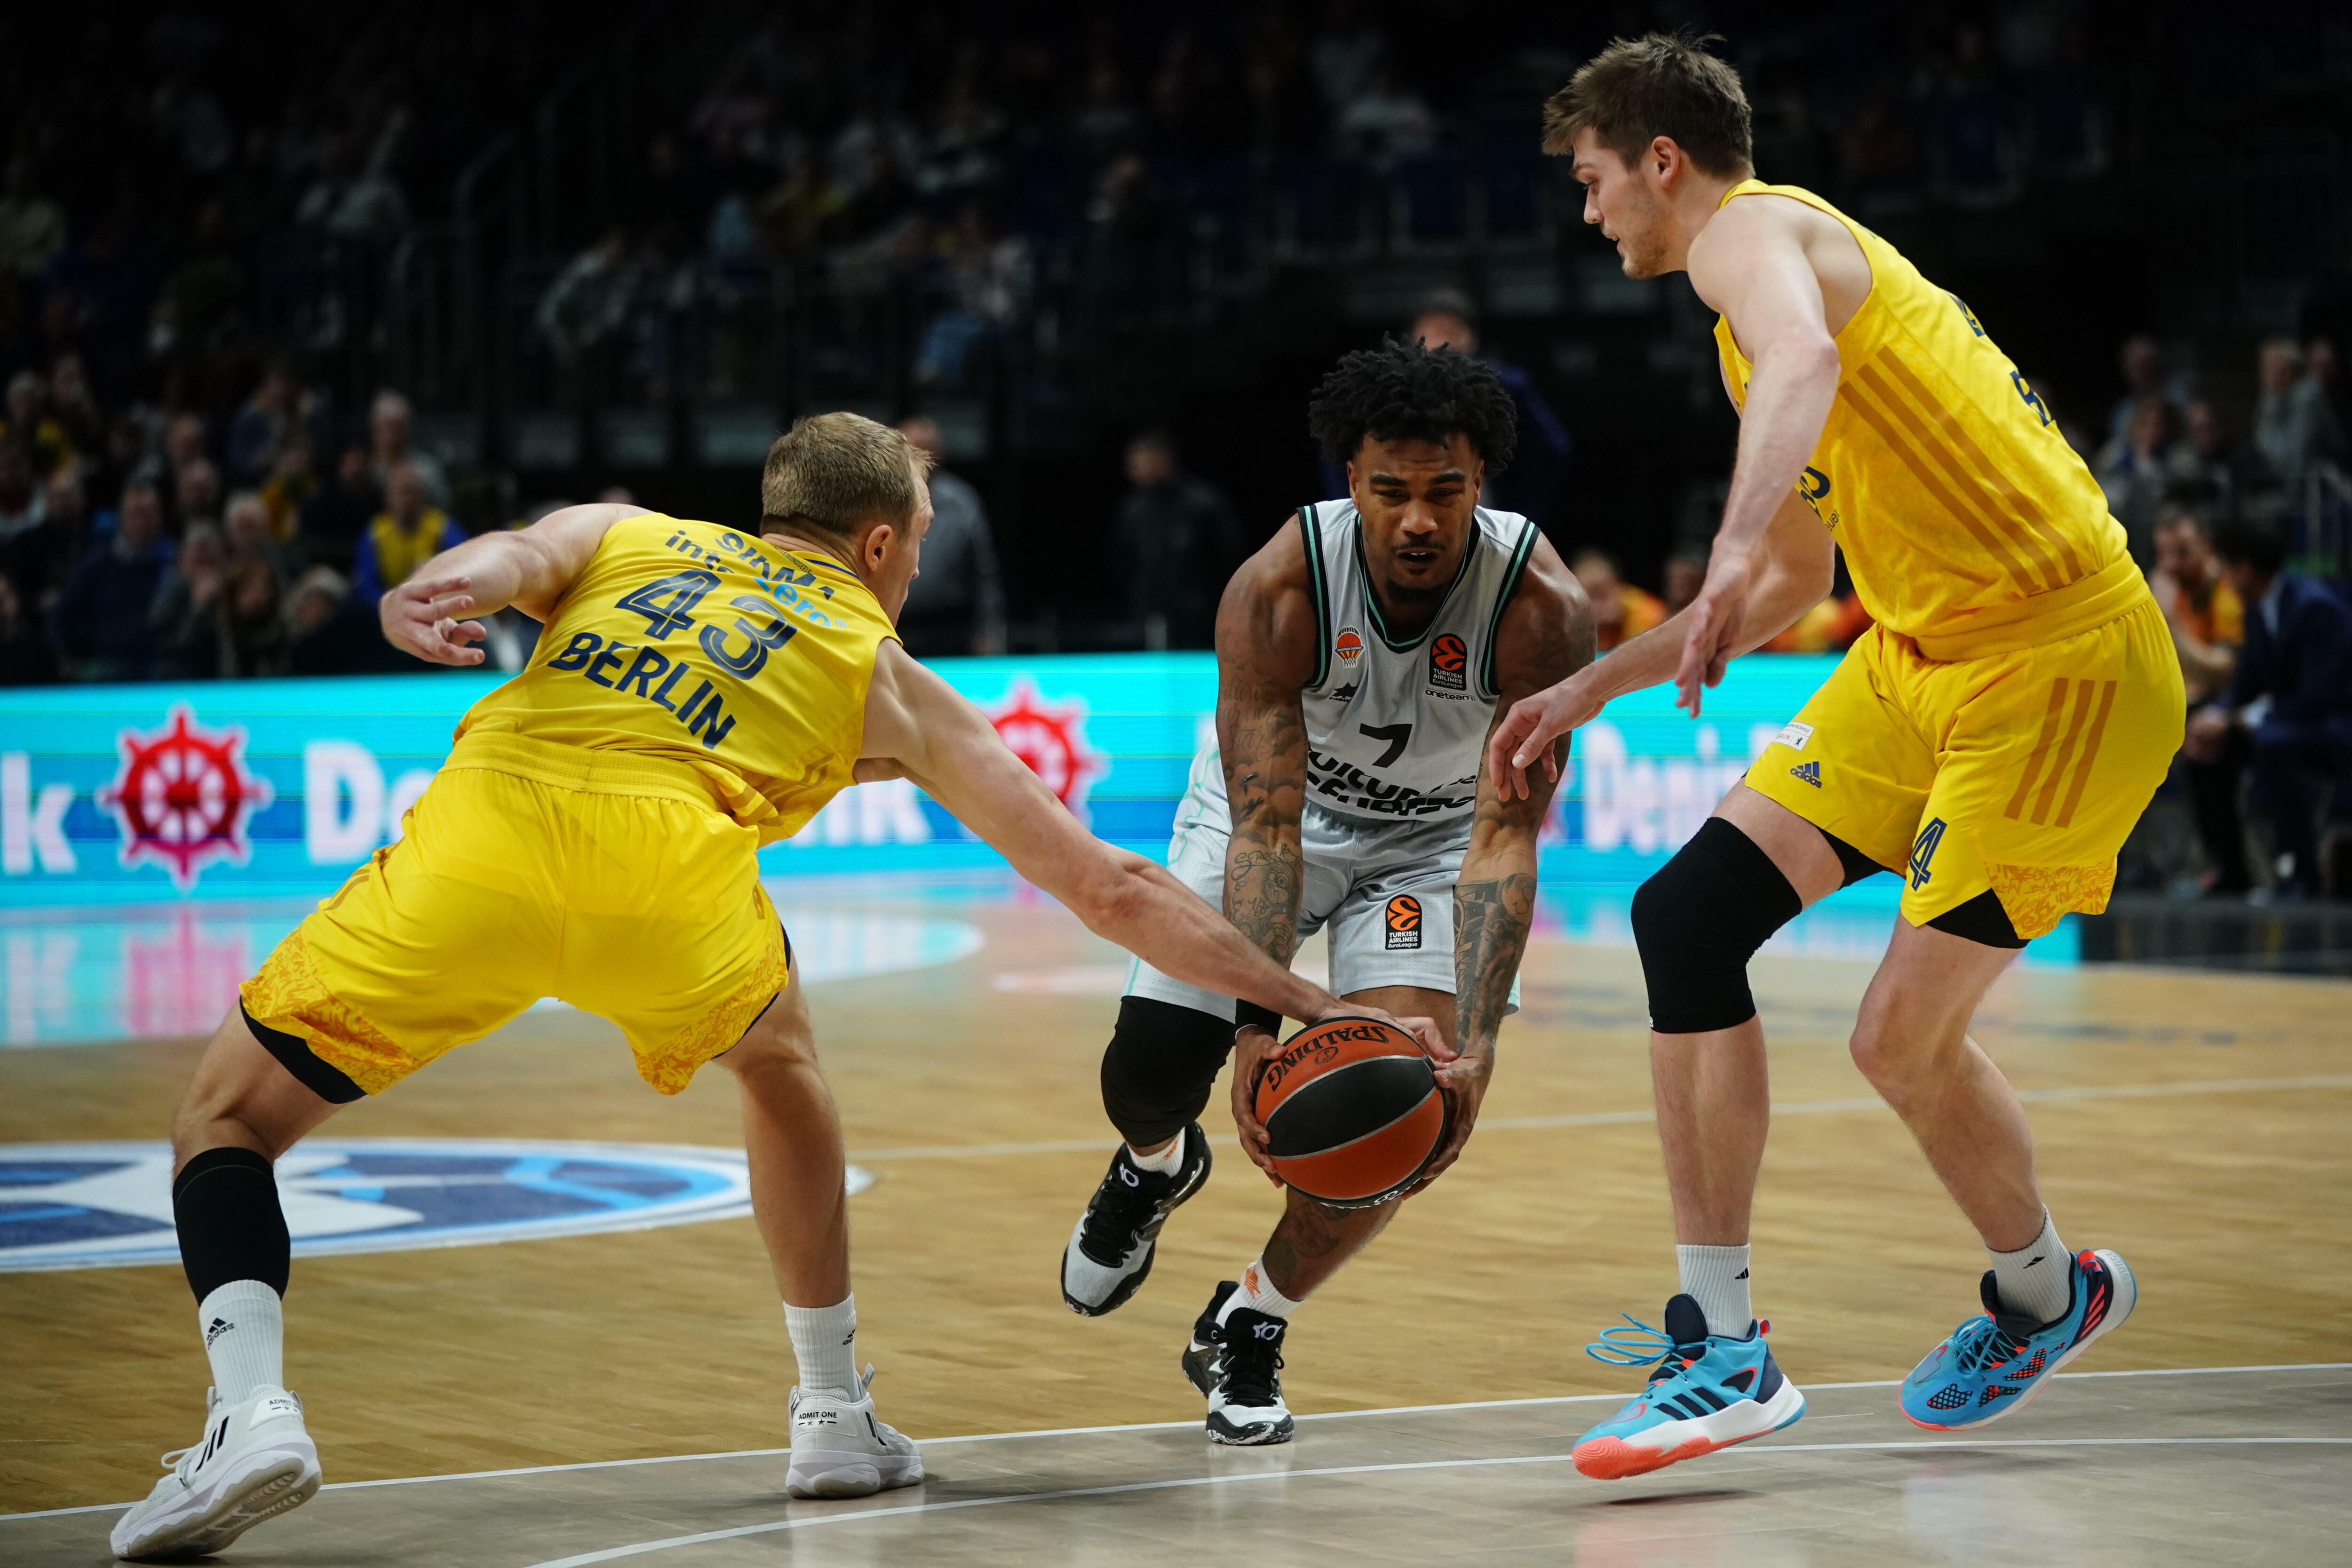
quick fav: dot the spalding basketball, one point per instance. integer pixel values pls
(1352, 1112)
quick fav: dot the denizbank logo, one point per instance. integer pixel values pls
(96, 1205)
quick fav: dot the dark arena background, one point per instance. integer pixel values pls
(292, 296)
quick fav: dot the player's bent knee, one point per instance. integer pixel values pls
(1160, 1067)
(1698, 921)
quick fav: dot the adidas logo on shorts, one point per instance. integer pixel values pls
(1808, 771)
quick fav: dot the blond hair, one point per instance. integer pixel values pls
(840, 474)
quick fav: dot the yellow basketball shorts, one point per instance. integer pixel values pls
(502, 889)
(2022, 772)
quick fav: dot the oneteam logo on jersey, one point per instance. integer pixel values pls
(1402, 918)
(1449, 663)
(1349, 646)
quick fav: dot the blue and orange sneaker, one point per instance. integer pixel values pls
(1996, 1363)
(1709, 1393)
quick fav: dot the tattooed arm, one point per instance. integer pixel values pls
(1265, 657)
(1546, 635)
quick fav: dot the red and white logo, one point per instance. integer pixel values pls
(1051, 741)
(184, 798)
(1349, 644)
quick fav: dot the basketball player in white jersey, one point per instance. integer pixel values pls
(1362, 657)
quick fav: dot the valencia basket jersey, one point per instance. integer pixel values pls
(1967, 521)
(1394, 728)
(697, 644)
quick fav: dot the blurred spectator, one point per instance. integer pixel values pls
(32, 227)
(2133, 472)
(2202, 467)
(408, 533)
(391, 425)
(957, 602)
(26, 657)
(2286, 719)
(196, 494)
(75, 408)
(244, 524)
(1177, 541)
(22, 505)
(2293, 425)
(332, 634)
(338, 514)
(250, 620)
(37, 558)
(988, 276)
(289, 484)
(186, 638)
(31, 425)
(2207, 620)
(270, 417)
(99, 624)
(1620, 610)
(587, 302)
(2141, 363)
(1532, 484)
(1685, 575)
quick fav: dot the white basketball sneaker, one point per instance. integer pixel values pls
(1238, 1364)
(255, 1462)
(839, 1449)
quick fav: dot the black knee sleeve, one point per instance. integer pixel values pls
(226, 1204)
(1160, 1064)
(1700, 920)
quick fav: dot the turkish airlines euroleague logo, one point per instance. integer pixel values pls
(1449, 663)
(1404, 919)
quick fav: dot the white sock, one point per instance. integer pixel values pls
(1258, 1294)
(825, 1342)
(2037, 1280)
(244, 1325)
(1166, 1162)
(1717, 1278)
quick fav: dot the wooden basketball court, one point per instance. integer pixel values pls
(2194, 1122)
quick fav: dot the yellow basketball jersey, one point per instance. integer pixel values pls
(1967, 521)
(697, 645)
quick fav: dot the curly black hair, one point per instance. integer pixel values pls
(1403, 392)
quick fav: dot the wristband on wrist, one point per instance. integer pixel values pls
(1250, 1015)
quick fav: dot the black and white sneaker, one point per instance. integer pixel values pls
(1238, 1364)
(1109, 1254)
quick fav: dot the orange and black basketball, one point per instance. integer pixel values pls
(1352, 1112)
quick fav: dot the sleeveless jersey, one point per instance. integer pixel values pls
(1394, 728)
(701, 645)
(1966, 521)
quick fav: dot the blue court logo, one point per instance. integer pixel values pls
(96, 1205)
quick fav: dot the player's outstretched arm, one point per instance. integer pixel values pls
(1751, 265)
(529, 568)
(1545, 637)
(916, 726)
(1795, 567)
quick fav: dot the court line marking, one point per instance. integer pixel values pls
(1164, 1426)
(645, 1548)
(1641, 1117)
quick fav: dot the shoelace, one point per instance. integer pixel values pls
(178, 1462)
(1980, 1342)
(1116, 1215)
(1252, 1371)
(1638, 1346)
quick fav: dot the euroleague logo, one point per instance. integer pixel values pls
(1051, 741)
(1449, 663)
(1402, 917)
(184, 798)
(1349, 646)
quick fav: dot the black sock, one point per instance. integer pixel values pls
(231, 1228)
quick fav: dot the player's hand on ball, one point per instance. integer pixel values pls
(1529, 735)
(1464, 1079)
(420, 617)
(1252, 1048)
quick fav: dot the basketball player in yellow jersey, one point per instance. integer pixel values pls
(698, 692)
(1992, 739)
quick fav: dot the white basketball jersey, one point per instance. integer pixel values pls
(1394, 728)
